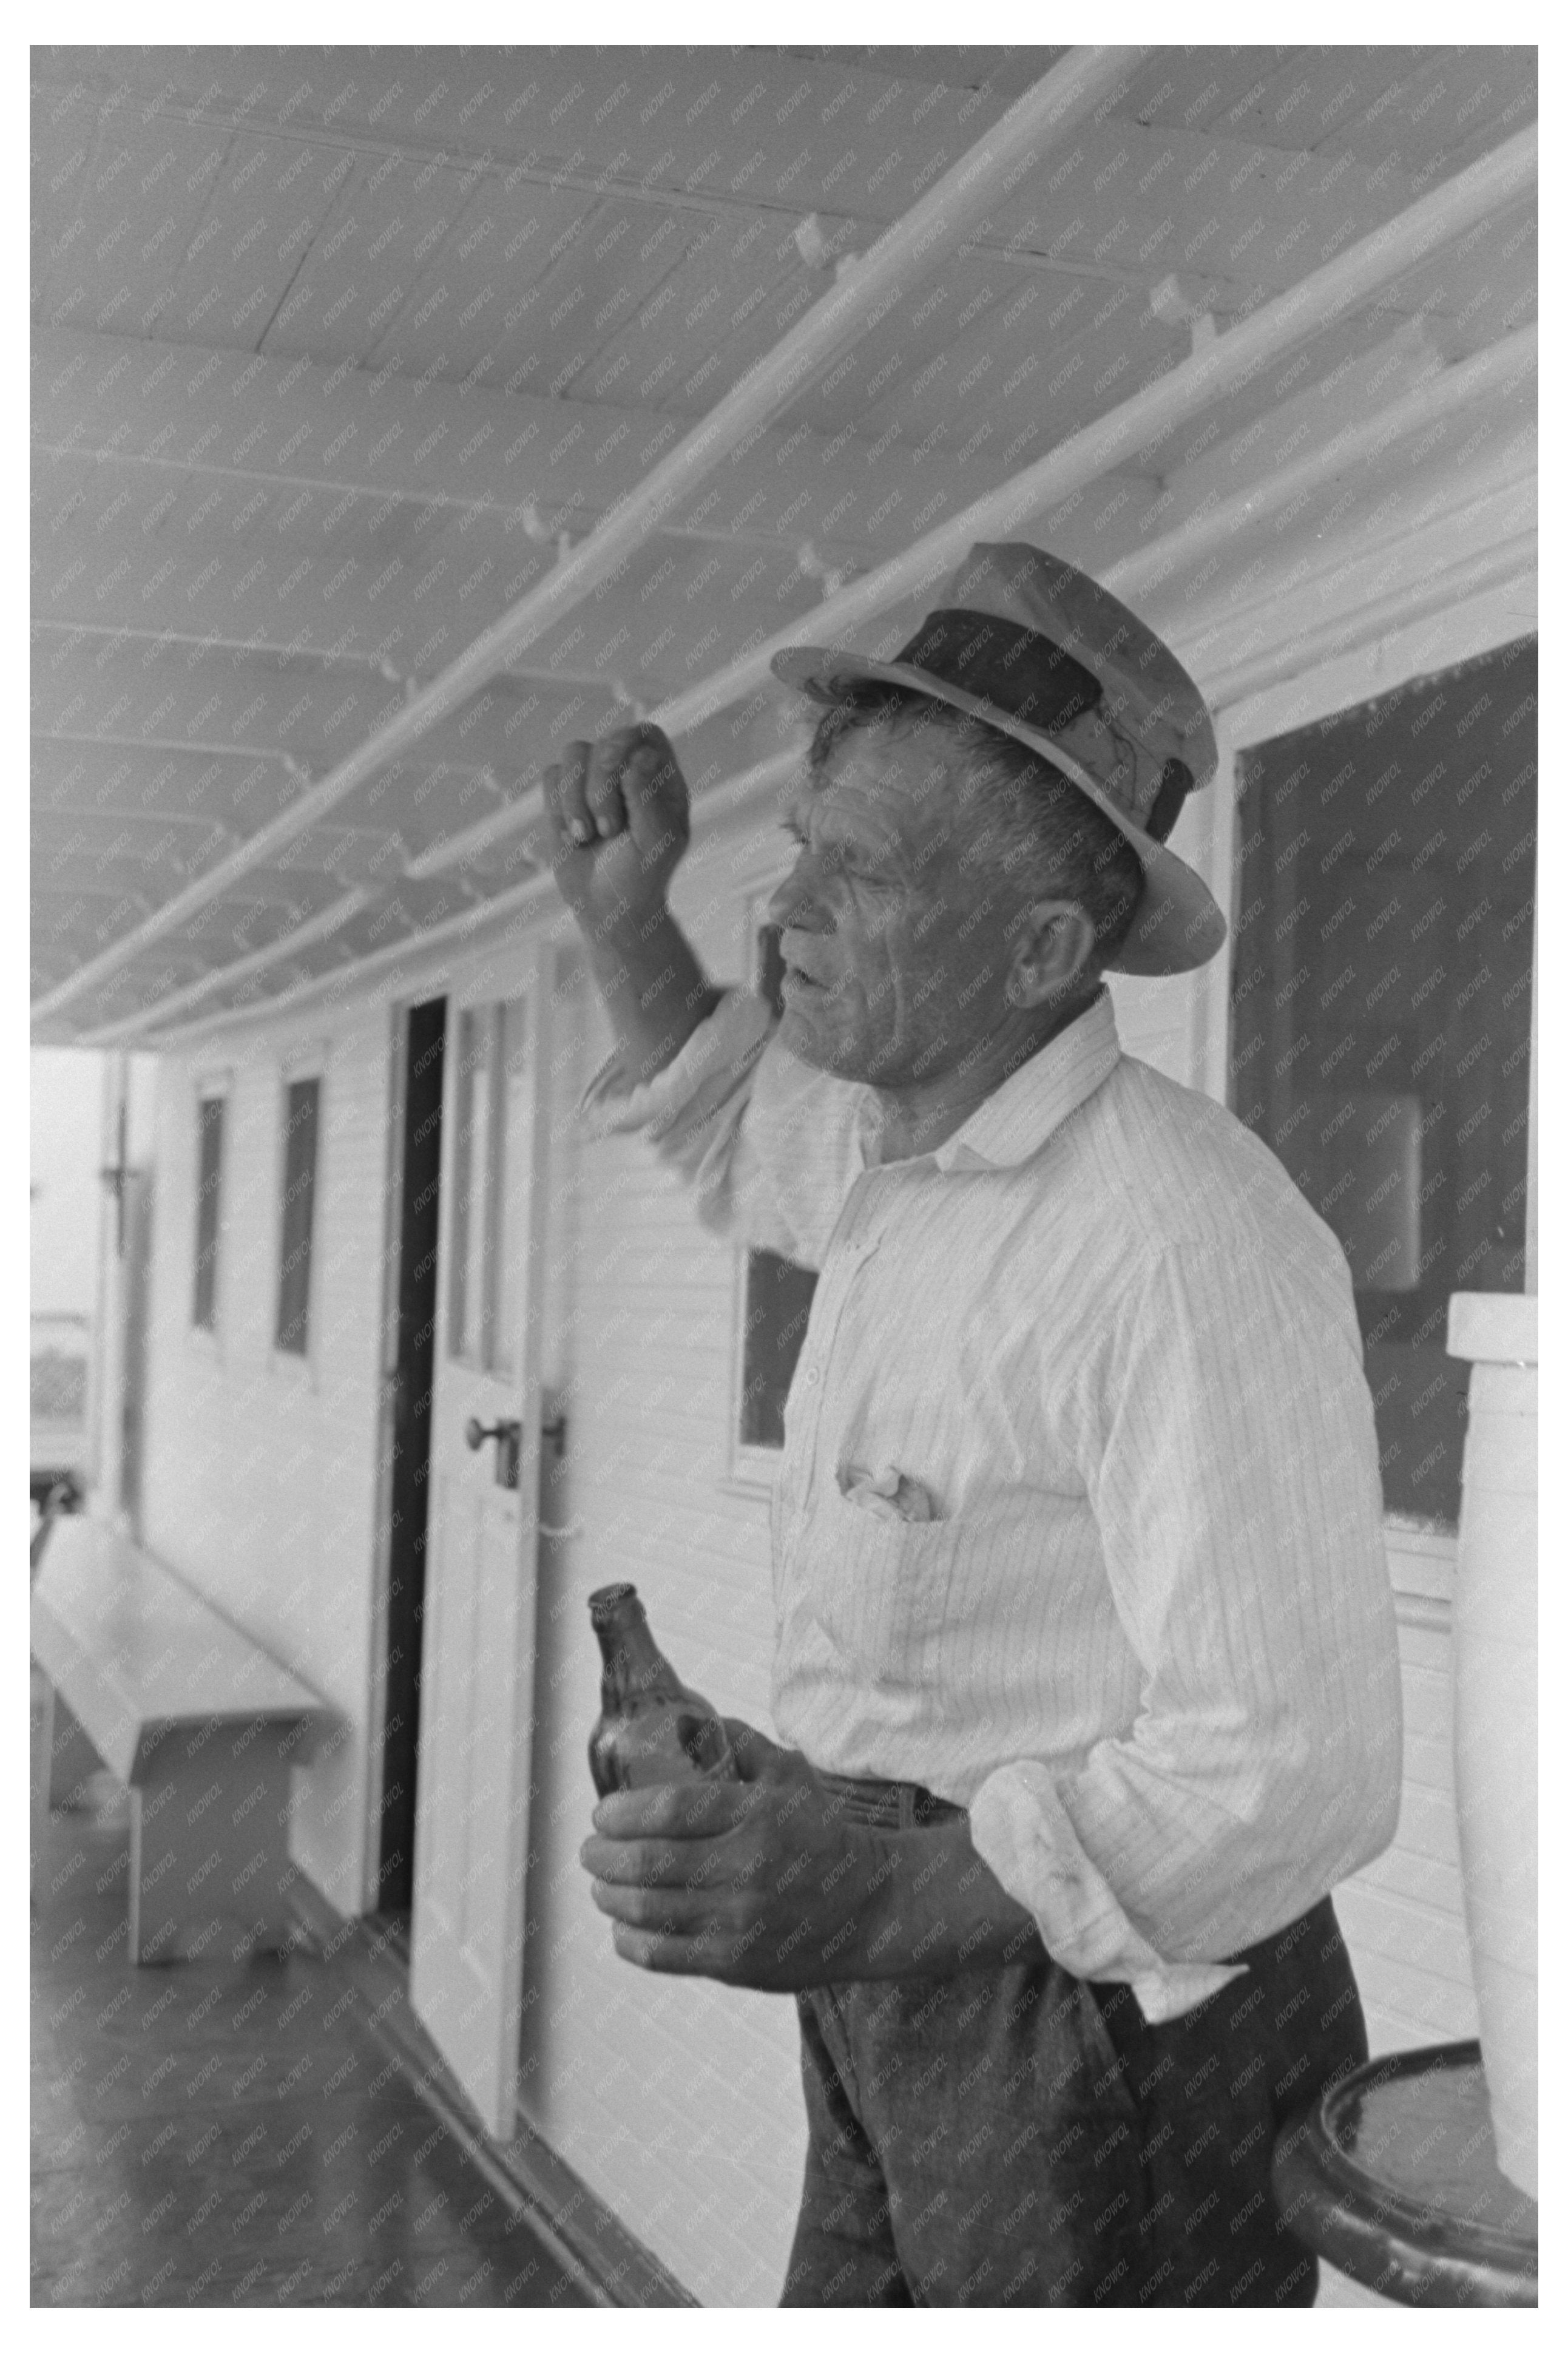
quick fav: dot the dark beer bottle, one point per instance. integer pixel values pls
(652, 1727)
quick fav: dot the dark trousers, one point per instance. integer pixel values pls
(1016, 2136)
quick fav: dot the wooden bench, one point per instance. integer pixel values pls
(196, 1718)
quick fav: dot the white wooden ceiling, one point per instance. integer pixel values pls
(333, 351)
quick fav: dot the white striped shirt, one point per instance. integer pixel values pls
(1147, 1634)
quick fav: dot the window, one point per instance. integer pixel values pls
(301, 1125)
(775, 1294)
(487, 1259)
(1381, 1017)
(209, 1196)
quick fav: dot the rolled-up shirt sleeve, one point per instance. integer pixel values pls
(765, 1143)
(1231, 1461)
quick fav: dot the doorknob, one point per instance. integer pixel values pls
(507, 1436)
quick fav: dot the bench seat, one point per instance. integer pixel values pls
(198, 1721)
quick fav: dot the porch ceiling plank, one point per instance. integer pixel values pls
(332, 432)
(243, 969)
(1431, 94)
(430, 276)
(1311, 94)
(969, 66)
(750, 120)
(1194, 89)
(116, 265)
(175, 782)
(399, 249)
(267, 206)
(100, 681)
(357, 855)
(472, 316)
(952, 206)
(137, 879)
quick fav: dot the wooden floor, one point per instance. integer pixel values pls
(213, 2132)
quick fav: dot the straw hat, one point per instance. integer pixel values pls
(1041, 652)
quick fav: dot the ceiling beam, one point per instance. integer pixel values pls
(951, 209)
(1139, 424)
(1430, 407)
(110, 742)
(1510, 564)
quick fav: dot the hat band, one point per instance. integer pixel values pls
(1049, 748)
(1005, 663)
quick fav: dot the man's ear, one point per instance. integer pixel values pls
(1052, 952)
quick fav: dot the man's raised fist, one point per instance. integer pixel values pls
(619, 821)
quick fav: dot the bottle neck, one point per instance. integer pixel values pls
(634, 1664)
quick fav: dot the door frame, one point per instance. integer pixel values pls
(397, 1014)
(529, 970)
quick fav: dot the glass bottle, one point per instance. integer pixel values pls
(652, 1727)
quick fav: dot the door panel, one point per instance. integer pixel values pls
(477, 1712)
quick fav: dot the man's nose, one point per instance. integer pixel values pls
(794, 899)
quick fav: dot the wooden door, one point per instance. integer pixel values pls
(477, 1701)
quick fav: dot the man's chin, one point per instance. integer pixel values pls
(812, 1041)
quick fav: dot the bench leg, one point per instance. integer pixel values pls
(72, 1757)
(209, 1848)
(42, 1699)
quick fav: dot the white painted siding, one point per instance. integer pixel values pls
(1403, 1915)
(677, 2100)
(260, 1470)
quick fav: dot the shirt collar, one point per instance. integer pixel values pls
(1024, 1112)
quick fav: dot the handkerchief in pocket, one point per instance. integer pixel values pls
(891, 1493)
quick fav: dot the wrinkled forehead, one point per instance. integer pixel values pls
(890, 775)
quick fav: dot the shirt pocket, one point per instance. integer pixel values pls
(883, 1591)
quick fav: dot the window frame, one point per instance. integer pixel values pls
(294, 1069)
(750, 1471)
(210, 1086)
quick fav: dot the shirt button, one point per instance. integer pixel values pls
(811, 1377)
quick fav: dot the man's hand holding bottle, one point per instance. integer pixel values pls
(762, 1882)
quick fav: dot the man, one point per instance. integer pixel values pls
(1085, 1658)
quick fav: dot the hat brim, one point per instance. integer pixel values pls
(1178, 926)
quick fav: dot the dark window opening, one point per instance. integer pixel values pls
(778, 1292)
(210, 1190)
(303, 1121)
(1381, 1017)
